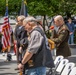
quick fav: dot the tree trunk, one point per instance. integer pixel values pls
(45, 23)
(68, 14)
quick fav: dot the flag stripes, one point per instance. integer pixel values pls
(6, 38)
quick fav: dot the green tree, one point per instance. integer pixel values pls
(41, 7)
(67, 7)
(51, 7)
(13, 6)
(2, 7)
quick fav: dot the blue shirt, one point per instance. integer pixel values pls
(70, 26)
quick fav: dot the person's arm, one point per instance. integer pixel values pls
(15, 33)
(35, 43)
(23, 33)
(53, 34)
(27, 56)
(73, 27)
(63, 34)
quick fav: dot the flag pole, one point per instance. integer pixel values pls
(8, 21)
(7, 3)
(23, 10)
(6, 27)
(25, 2)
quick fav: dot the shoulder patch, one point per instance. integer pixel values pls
(64, 28)
(63, 31)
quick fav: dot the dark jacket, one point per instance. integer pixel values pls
(71, 26)
(20, 33)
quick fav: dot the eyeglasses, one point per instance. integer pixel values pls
(18, 21)
(26, 24)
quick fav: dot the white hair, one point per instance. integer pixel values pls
(29, 19)
(21, 17)
(58, 17)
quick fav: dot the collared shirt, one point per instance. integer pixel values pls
(20, 27)
(35, 42)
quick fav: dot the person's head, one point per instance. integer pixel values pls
(58, 20)
(20, 19)
(69, 20)
(29, 23)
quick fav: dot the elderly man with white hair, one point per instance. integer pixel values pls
(61, 37)
(20, 33)
(38, 55)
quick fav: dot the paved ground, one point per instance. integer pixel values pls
(7, 68)
(72, 58)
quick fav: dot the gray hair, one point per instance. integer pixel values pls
(21, 17)
(29, 19)
(58, 17)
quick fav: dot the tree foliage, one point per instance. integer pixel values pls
(13, 6)
(52, 7)
(2, 7)
(41, 7)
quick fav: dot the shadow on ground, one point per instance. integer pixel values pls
(8, 73)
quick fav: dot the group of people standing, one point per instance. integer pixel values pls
(33, 51)
(34, 57)
(32, 47)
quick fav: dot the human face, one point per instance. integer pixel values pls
(69, 20)
(19, 21)
(56, 22)
(27, 26)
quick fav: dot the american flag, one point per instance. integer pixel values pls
(6, 38)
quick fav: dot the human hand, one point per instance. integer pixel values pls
(20, 66)
(15, 41)
(71, 33)
(20, 49)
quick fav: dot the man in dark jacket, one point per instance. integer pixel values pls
(20, 33)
